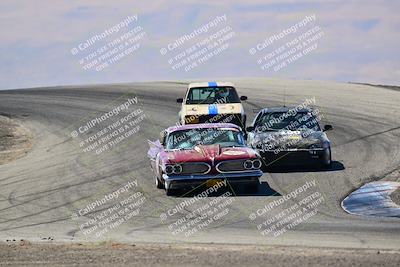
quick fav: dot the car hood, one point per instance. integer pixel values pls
(289, 139)
(210, 153)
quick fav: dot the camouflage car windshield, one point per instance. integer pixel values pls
(283, 121)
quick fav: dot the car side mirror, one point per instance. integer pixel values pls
(179, 100)
(155, 143)
(158, 144)
(243, 98)
(250, 128)
(328, 127)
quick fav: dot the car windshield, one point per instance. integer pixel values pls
(210, 95)
(276, 121)
(187, 139)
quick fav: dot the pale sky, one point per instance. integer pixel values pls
(360, 43)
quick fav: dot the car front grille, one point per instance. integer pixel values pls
(231, 166)
(225, 118)
(195, 168)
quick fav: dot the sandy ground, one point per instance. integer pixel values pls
(395, 196)
(21, 253)
(394, 177)
(15, 140)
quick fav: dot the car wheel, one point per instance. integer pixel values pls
(264, 166)
(171, 192)
(252, 188)
(244, 125)
(159, 184)
(327, 160)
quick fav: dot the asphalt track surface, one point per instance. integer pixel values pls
(40, 192)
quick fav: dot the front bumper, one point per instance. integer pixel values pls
(293, 157)
(194, 181)
(237, 119)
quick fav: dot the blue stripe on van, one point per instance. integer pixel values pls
(212, 84)
(212, 109)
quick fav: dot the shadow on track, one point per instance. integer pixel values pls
(335, 166)
(263, 190)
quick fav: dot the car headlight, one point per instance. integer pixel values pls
(252, 164)
(173, 169)
(315, 146)
(259, 146)
(326, 144)
(177, 169)
(257, 164)
(248, 164)
(169, 169)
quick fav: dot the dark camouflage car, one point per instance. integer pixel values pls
(290, 136)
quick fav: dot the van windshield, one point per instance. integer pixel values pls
(212, 95)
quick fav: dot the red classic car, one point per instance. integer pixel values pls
(193, 155)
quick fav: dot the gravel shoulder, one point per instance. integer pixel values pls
(394, 176)
(115, 254)
(395, 196)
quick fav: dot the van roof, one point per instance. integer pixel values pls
(211, 84)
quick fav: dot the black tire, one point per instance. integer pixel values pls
(159, 184)
(252, 188)
(243, 126)
(264, 167)
(327, 164)
(171, 192)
